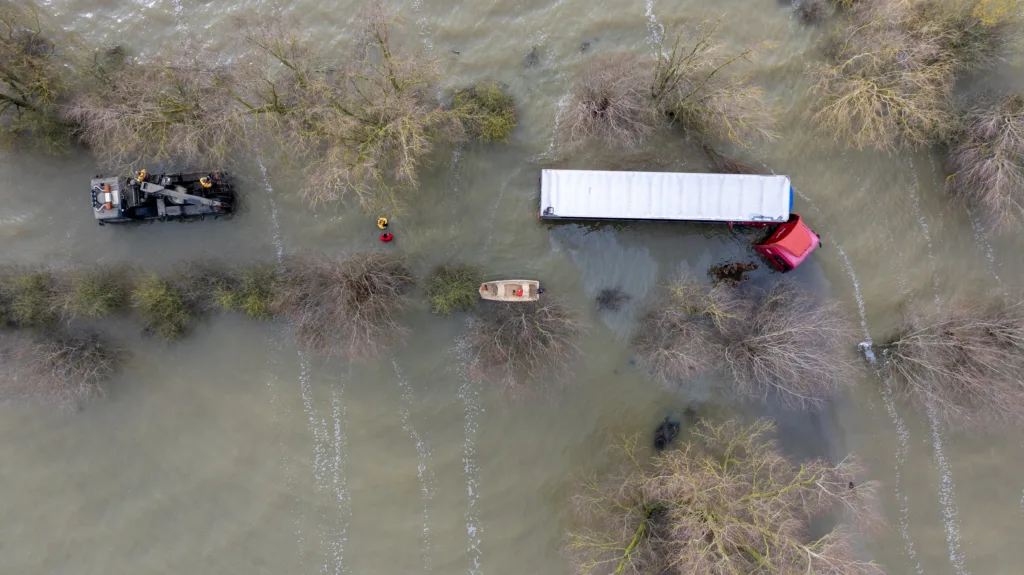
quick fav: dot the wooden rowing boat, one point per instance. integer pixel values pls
(510, 290)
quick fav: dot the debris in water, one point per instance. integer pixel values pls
(584, 47)
(732, 273)
(666, 432)
(611, 299)
(532, 59)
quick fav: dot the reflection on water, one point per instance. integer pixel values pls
(231, 452)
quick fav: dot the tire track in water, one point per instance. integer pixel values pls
(424, 473)
(469, 394)
(321, 466)
(902, 432)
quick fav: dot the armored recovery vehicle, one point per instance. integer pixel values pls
(170, 196)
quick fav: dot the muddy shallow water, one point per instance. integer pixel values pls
(232, 452)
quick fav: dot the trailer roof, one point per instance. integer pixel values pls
(592, 194)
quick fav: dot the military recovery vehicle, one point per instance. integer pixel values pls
(170, 196)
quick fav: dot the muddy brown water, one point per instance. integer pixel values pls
(232, 452)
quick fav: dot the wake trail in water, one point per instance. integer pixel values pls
(950, 513)
(317, 426)
(655, 29)
(902, 433)
(494, 209)
(980, 234)
(279, 412)
(339, 480)
(469, 394)
(424, 473)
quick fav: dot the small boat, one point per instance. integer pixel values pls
(511, 290)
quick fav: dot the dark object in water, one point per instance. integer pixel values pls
(531, 59)
(731, 272)
(584, 47)
(723, 164)
(812, 11)
(666, 432)
(611, 299)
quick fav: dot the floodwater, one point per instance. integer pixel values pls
(233, 452)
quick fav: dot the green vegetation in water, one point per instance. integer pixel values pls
(162, 307)
(94, 294)
(727, 501)
(29, 298)
(454, 288)
(252, 293)
(487, 112)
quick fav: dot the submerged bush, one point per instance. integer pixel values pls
(609, 102)
(250, 292)
(962, 360)
(345, 307)
(778, 340)
(94, 294)
(33, 81)
(987, 159)
(515, 342)
(454, 288)
(162, 307)
(64, 369)
(622, 99)
(888, 81)
(30, 298)
(487, 113)
(727, 501)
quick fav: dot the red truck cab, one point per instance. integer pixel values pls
(789, 245)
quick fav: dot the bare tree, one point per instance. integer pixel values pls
(691, 85)
(610, 102)
(621, 100)
(32, 78)
(962, 359)
(780, 340)
(518, 342)
(680, 335)
(366, 122)
(988, 161)
(888, 82)
(168, 107)
(344, 307)
(792, 344)
(726, 502)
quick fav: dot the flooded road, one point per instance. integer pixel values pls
(233, 452)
